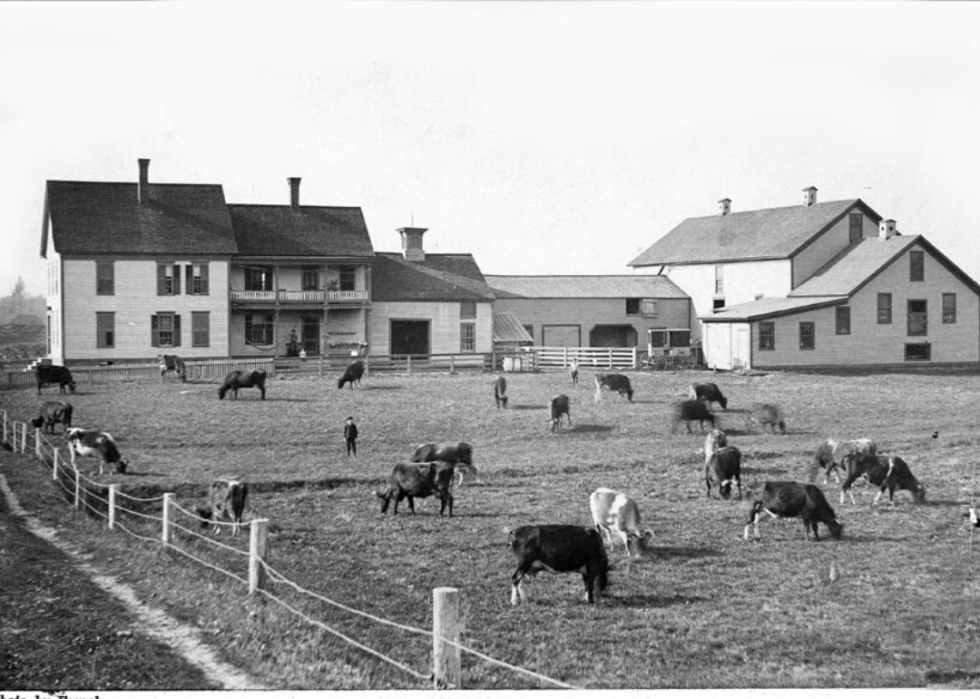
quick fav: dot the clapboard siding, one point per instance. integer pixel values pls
(825, 247)
(443, 320)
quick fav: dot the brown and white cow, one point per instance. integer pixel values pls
(615, 513)
(889, 473)
(52, 413)
(95, 445)
(226, 501)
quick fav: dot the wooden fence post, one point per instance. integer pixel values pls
(54, 464)
(37, 443)
(610, 358)
(452, 364)
(256, 554)
(446, 670)
(636, 359)
(168, 531)
(78, 489)
(564, 356)
(112, 505)
(408, 365)
(5, 425)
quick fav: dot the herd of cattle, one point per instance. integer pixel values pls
(433, 470)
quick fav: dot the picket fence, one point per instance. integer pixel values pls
(111, 503)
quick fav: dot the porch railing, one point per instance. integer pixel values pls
(284, 296)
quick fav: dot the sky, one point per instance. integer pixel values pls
(542, 137)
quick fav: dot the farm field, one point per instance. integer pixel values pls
(704, 609)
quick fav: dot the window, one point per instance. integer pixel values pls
(530, 330)
(843, 318)
(648, 308)
(467, 337)
(201, 329)
(165, 330)
(918, 352)
(767, 335)
(719, 280)
(105, 279)
(311, 279)
(105, 330)
(258, 279)
(884, 309)
(856, 229)
(168, 279)
(259, 329)
(808, 336)
(918, 318)
(197, 279)
(917, 266)
(348, 278)
(680, 338)
(467, 310)
(949, 308)
(632, 307)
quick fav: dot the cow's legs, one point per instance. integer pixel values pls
(517, 595)
(411, 504)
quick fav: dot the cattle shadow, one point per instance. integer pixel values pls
(684, 552)
(145, 474)
(589, 429)
(382, 388)
(654, 601)
(527, 406)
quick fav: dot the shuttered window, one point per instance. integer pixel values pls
(197, 279)
(168, 279)
(165, 330)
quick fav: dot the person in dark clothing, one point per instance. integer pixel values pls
(350, 437)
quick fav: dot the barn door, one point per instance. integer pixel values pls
(409, 337)
(740, 348)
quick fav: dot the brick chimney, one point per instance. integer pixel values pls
(293, 191)
(886, 229)
(724, 206)
(144, 184)
(412, 244)
(809, 197)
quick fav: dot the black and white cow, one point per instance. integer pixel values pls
(889, 473)
(459, 454)
(52, 413)
(500, 391)
(722, 469)
(558, 408)
(559, 548)
(95, 445)
(792, 499)
(242, 379)
(615, 513)
(226, 501)
(171, 362)
(419, 481)
(613, 382)
(829, 456)
(707, 392)
(49, 374)
(352, 374)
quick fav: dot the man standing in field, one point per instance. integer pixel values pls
(350, 437)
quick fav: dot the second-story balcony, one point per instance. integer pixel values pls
(286, 296)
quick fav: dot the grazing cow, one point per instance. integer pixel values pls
(889, 473)
(242, 379)
(614, 512)
(226, 500)
(171, 362)
(559, 548)
(769, 414)
(573, 372)
(95, 445)
(715, 440)
(558, 407)
(52, 413)
(352, 374)
(51, 374)
(830, 455)
(419, 481)
(709, 393)
(459, 454)
(613, 382)
(722, 469)
(500, 392)
(792, 499)
(688, 411)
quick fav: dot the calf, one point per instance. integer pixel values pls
(768, 414)
(889, 473)
(613, 512)
(242, 379)
(722, 469)
(792, 499)
(559, 548)
(95, 445)
(419, 481)
(226, 500)
(558, 407)
(709, 393)
(459, 454)
(52, 413)
(500, 392)
(613, 382)
(51, 374)
(171, 362)
(689, 410)
(352, 374)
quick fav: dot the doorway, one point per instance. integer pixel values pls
(409, 337)
(311, 335)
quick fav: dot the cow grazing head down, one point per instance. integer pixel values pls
(242, 379)
(419, 480)
(226, 501)
(615, 513)
(95, 445)
(558, 548)
(52, 413)
(688, 411)
(613, 382)
(792, 499)
(51, 374)
(889, 473)
(352, 374)
(558, 409)
(500, 391)
(707, 392)
(767, 414)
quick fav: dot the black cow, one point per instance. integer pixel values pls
(792, 499)
(707, 392)
(687, 411)
(558, 407)
(95, 445)
(829, 456)
(459, 454)
(419, 481)
(51, 374)
(559, 548)
(352, 374)
(226, 500)
(171, 362)
(613, 382)
(768, 414)
(724, 467)
(500, 391)
(242, 379)
(889, 473)
(52, 413)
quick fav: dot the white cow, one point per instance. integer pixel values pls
(614, 512)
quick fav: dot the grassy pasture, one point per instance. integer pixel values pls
(706, 609)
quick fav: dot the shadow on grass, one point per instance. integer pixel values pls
(527, 406)
(653, 601)
(146, 474)
(589, 429)
(689, 552)
(382, 388)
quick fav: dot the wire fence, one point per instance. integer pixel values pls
(102, 501)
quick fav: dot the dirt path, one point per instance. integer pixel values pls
(66, 625)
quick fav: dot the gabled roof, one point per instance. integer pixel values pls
(440, 278)
(507, 328)
(766, 234)
(304, 231)
(106, 217)
(585, 286)
(854, 266)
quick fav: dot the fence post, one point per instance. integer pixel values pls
(610, 358)
(23, 438)
(408, 365)
(5, 425)
(493, 360)
(54, 464)
(168, 531)
(452, 364)
(37, 442)
(256, 554)
(445, 627)
(564, 356)
(636, 359)
(78, 489)
(112, 505)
